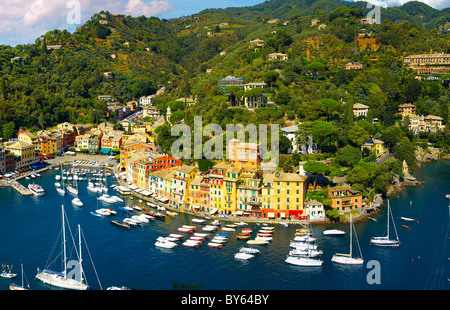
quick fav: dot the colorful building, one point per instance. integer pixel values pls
(249, 194)
(344, 198)
(24, 153)
(217, 194)
(230, 181)
(243, 154)
(283, 195)
(376, 146)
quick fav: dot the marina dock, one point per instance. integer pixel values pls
(18, 187)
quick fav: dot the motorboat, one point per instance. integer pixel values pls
(215, 245)
(7, 273)
(125, 209)
(304, 239)
(120, 223)
(263, 238)
(199, 221)
(248, 250)
(140, 218)
(302, 245)
(201, 235)
(162, 243)
(191, 243)
(36, 189)
(195, 238)
(243, 236)
(242, 255)
(170, 239)
(104, 212)
(184, 230)
(334, 232)
(304, 261)
(209, 228)
(305, 252)
(189, 227)
(257, 241)
(111, 211)
(77, 202)
(130, 221)
(95, 214)
(228, 229)
(178, 236)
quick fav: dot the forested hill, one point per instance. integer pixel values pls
(413, 11)
(42, 85)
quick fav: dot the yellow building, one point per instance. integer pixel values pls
(249, 194)
(230, 181)
(216, 185)
(242, 154)
(376, 146)
(430, 123)
(425, 64)
(283, 195)
(24, 153)
(180, 186)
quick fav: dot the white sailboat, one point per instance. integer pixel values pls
(76, 201)
(348, 259)
(72, 189)
(61, 279)
(305, 247)
(385, 241)
(61, 190)
(16, 287)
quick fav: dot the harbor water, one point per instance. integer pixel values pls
(29, 226)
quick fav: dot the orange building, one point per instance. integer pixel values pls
(131, 147)
(344, 198)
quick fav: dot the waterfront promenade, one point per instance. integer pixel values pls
(112, 165)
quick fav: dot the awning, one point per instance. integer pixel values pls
(195, 207)
(213, 211)
(239, 212)
(37, 165)
(145, 193)
(271, 214)
(105, 150)
(283, 215)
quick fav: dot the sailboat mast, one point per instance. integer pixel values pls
(351, 235)
(79, 244)
(64, 243)
(388, 220)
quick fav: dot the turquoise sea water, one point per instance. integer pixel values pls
(29, 226)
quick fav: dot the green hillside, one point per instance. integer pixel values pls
(49, 86)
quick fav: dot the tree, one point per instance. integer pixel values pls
(349, 156)
(8, 130)
(270, 77)
(285, 144)
(316, 66)
(358, 175)
(357, 135)
(321, 130)
(405, 150)
(317, 168)
(392, 135)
